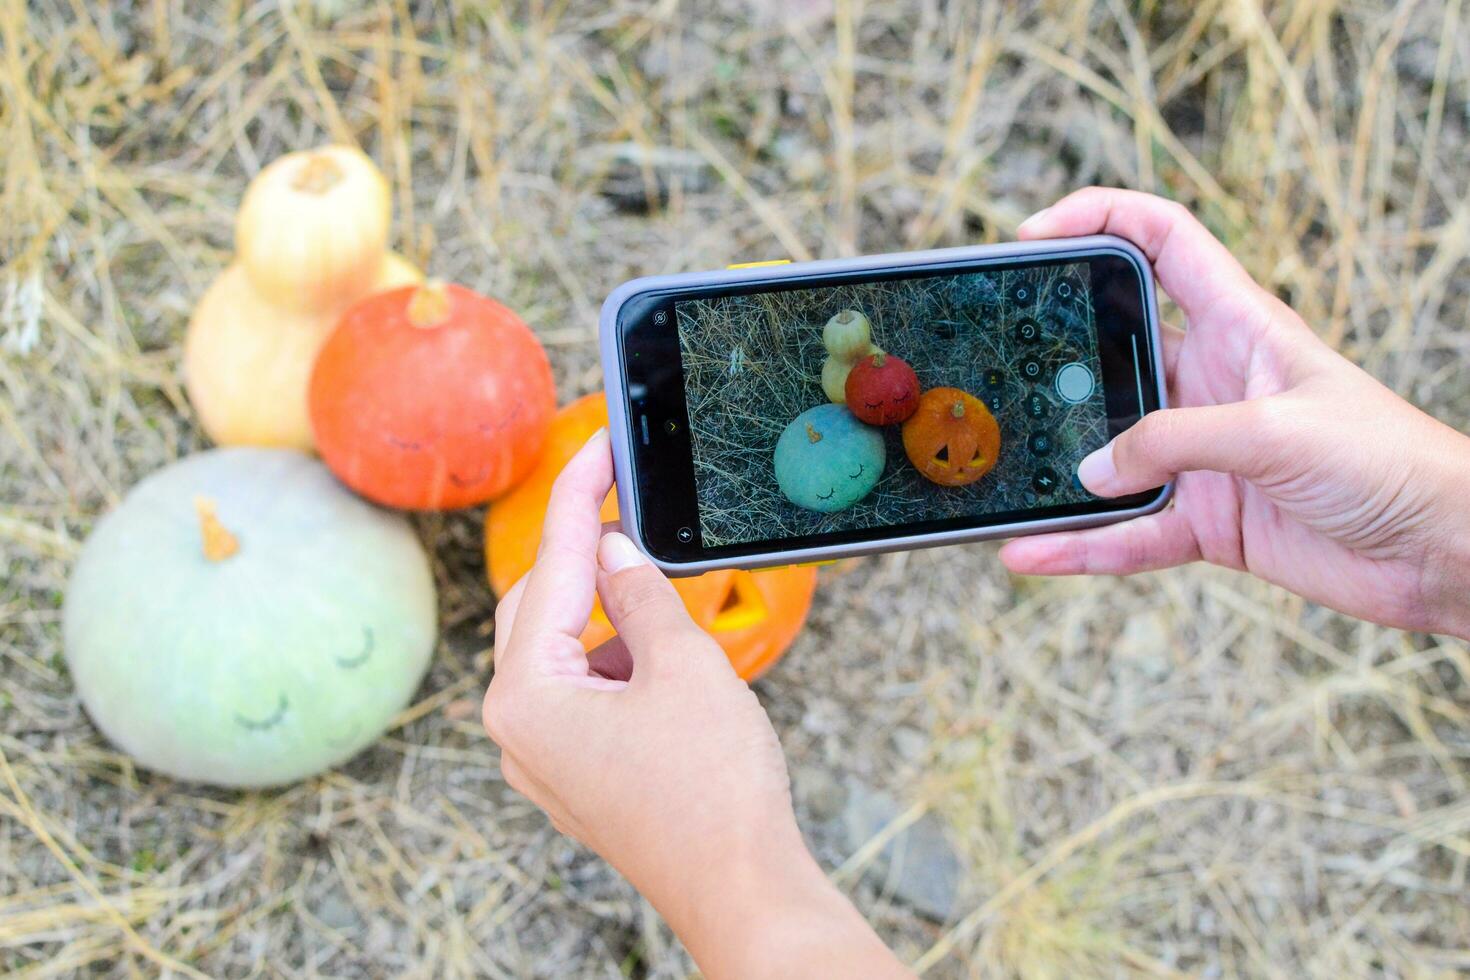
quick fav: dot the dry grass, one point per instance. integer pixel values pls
(1189, 773)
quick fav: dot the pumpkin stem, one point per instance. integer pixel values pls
(812, 433)
(846, 316)
(958, 411)
(879, 358)
(429, 305)
(219, 543)
(318, 174)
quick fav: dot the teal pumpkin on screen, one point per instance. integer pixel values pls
(827, 460)
(242, 619)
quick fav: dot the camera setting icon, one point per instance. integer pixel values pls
(1036, 405)
(1023, 292)
(1066, 289)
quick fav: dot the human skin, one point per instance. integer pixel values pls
(1292, 464)
(655, 754)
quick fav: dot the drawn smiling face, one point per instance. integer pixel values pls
(303, 703)
(882, 389)
(461, 456)
(826, 460)
(889, 410)
(318, 697)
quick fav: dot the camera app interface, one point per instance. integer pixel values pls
(880, 404)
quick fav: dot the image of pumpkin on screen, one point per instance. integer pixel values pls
(882, 403)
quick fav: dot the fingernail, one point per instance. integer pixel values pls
(617, 551)
(601, 433)
(1035, 219)
(1097, 471)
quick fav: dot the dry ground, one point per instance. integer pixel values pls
(1187, 773)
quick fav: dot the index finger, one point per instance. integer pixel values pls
(562, 585)
(1192, 265)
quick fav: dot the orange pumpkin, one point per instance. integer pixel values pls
(951, 438)
(431, 397)
(753, 615)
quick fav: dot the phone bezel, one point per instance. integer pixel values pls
(622, 412)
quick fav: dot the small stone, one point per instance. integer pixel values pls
(805, 166)
(919, 867)
(336, 912)
(634, 176)
(819, 791)
(1028, 171)
(911, 743)
(1081, 146)
(380, 939)
(1418, 58)
(823, 716)
(1145, 644)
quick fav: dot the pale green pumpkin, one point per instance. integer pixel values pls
(243, 620)
(826, 460)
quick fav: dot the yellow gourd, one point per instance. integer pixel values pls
(313, 227)
(247, 362)
(848, 337)
(834, 379)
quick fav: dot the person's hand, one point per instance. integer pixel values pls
(1292, 463)
(652, 752)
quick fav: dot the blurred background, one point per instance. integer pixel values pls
(1187, 773)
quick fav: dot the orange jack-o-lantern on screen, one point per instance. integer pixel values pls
(952, 439)
(753, 615)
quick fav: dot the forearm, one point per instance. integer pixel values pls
(773, 914)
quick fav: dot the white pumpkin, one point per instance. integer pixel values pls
(848, 335)
(313, 226)
(242, 619)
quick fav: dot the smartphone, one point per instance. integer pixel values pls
(798, 412)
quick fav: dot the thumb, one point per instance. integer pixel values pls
(647, 612)
(1228, 438)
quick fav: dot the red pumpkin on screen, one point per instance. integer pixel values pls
(431, 397)
(882, 389)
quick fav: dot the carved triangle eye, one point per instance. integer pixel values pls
(743, 605)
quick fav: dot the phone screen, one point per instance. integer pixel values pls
(862, 407)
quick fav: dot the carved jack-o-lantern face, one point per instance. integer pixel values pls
(754, 616)
(952, 439)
